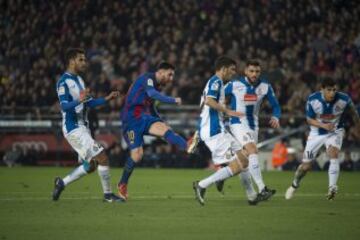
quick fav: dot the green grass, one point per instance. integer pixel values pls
(162, 206)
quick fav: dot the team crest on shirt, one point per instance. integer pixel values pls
(61, 90)
(150, 82)
(228, 155)
(215, 86)
(337, 108)
(95, 148)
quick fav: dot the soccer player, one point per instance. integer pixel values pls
(74, 101)
(139, 117)
(246, 95)
(325, 115)
(224, 148)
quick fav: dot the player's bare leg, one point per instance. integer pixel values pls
(77, 173)
(239, 163)
(333, 172)
(299, 174)
(160, 129)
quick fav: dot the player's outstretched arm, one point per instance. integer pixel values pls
(316, 123)
(101, 101)
(211, 102)
(65, 105)
(276, 109)
(355, 117)
(354, 114)
(151, 92)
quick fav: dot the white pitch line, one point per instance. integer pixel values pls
(164, 197)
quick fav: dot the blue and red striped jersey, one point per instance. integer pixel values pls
(137, 101)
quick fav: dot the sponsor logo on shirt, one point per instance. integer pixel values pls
(250, 97)
(327, 116)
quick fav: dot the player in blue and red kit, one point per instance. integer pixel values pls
(139, 117)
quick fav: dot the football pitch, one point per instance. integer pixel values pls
(162, 206)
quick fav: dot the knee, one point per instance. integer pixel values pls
(90, 166)
(251, 148)
(241, 162)
(333, 152)
(102, 159)
(243, 157)
(306, 166)
(137, 155)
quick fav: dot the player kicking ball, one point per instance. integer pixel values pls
(139, 118)
(324, 111)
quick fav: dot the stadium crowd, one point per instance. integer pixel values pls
(298, 42)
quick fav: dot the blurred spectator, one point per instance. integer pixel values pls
(116, 156)
(300, 42)
(12, 156)
(279, 153)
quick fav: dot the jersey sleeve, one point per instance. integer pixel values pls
(95, 102)
(63, 92)
(228, 89)
(155, 94)
(214, 89)
(276, 110)
(310, 113)
(349, 103)
(64, 97)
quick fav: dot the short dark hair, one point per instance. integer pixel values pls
(165, 66)
(253, 62)
(328, 82)
(71, 53)
(224, 61)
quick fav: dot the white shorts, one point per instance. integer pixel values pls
(315, 142)
(223, 147)
(243, 134)
(81, 141)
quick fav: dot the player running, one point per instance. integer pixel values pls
(224, 148)
(246, 95)
(74, 101)
(139, 117)
(325, 115)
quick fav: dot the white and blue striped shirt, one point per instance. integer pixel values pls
(68, 89)
(327, 112)
(247, 98)
(211, 121)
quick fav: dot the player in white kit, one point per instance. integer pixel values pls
(246, 95)
(74, 101)
(224, 148)
(325, 115)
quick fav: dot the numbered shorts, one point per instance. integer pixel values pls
(315, 142)
(134, 131)
(81, 141)
(244, 134)
(223, 147)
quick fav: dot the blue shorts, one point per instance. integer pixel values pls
(135, 130)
